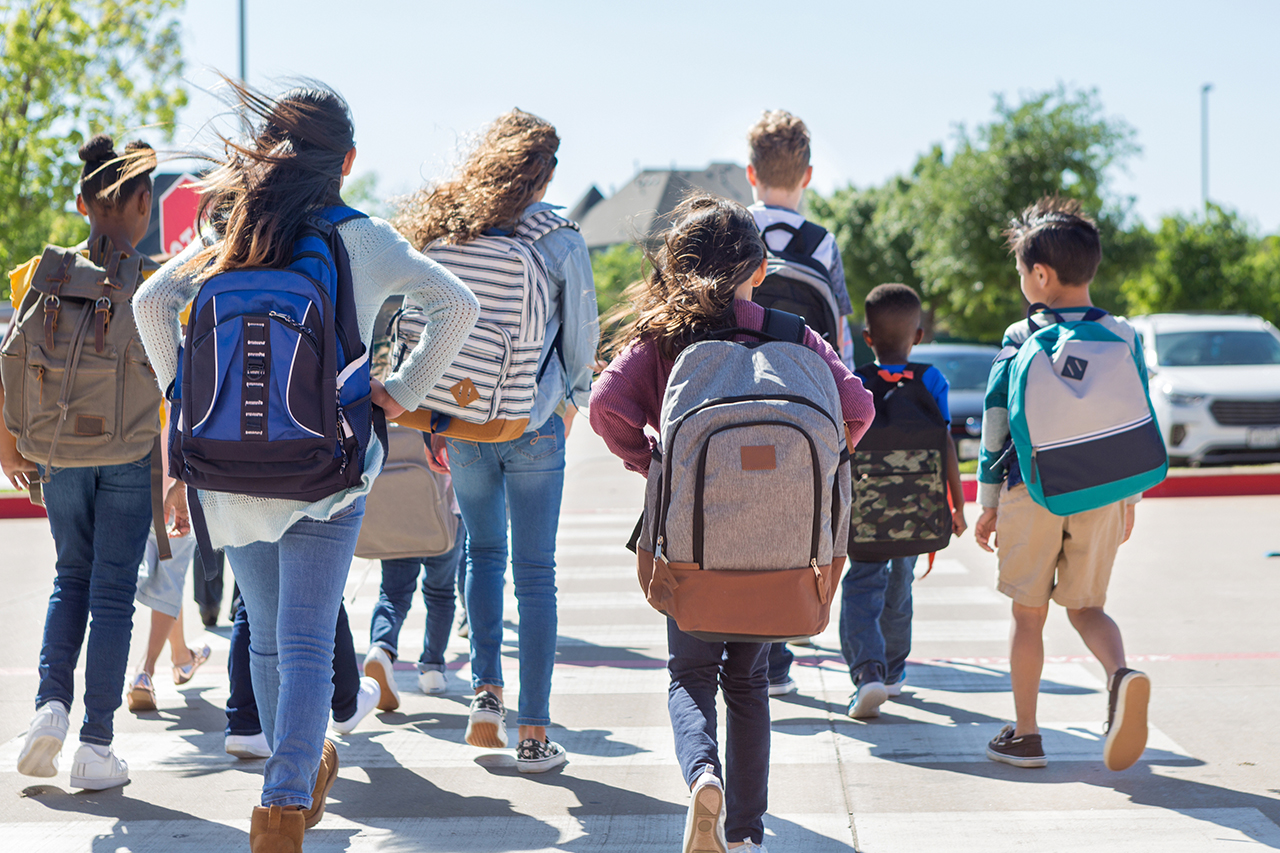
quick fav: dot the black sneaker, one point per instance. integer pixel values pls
(1025, 751)
(533, 756)
(1129, 693)
(487, 722)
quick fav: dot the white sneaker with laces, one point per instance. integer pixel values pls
(704, 823)
(96, 768)
(39, 756)
(366, 700)
(377, 665)
(432, 682)
(867, 701)
(247, 746)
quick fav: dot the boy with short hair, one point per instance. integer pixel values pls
(1043, 556)
(875, 616)
(779, 171)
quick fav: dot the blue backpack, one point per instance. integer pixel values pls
(1080, 415)
(272, 391)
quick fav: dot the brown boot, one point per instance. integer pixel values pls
(324, 781)
(276, 830)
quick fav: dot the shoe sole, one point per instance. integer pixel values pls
(434, 691)
(868, 703)
(894, 690)
(322, 791)
(487, 731)
(245, 753)
(1016, 761)
(1128, 736)
(41, 756)
(542, 765)
(141, 700)
(706, 815)
(95, 783)
(388, 700)
(781, 689)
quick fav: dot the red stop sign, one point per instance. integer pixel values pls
(178, 207)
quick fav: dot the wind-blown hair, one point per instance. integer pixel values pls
(712, 246)
(513, 160)
(289, 164)
(109, 179)
(1055, 232)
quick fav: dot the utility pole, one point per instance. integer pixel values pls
(244, 71)
(1204, 142)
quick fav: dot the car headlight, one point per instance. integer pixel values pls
(1177, 398)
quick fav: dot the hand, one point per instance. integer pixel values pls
(438, 457)
(985, 529)
(958, 524)
(570, 411)
(19, 470)
(1130, 515)
(176, 514)
(385, 401)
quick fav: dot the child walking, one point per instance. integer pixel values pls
(875, 616)
(701, 282)
(1043, 556)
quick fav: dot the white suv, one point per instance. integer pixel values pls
(1215, 385)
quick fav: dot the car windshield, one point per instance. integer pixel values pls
(964, 371)
(1201, 349)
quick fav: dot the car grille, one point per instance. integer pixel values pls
(1246, 412)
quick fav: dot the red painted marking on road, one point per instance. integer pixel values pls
(18, 505)
(1191, 483)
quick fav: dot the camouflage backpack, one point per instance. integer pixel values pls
(899, 470)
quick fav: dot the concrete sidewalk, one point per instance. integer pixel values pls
(1192, 591)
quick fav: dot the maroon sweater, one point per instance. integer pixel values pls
(628, 395)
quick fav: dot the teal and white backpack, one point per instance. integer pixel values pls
(1080, 415)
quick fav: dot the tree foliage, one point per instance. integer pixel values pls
(614, 269)
(72, 68)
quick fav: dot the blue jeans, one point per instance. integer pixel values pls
(242, 706)
(875, 617)
(780, 658)
(697, 668)
(292, 589)
(439, 580)
(525, 479)
(99, 518)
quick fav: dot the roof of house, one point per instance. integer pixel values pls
(638, 210)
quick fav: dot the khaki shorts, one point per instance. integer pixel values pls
(1044, 556)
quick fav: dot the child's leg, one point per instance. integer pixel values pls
(439, 580)
(746, 698)
(779, 659)
(895, 620)
(1101, 634)
(1026, 661)
(863, 591)
(694, 667)
(179, 654)
(162, 625)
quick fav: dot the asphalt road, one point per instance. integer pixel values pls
(1193, 592)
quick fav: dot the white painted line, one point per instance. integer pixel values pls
(924, 594)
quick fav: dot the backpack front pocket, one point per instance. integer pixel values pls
(898, 495)
(91, 418)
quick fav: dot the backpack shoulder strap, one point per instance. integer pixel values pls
(337, 214)
(783, 325)
(918, 369)
(540, 224)
(805, 239)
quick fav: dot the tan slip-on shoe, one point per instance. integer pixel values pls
(276, 830)
(324, 781)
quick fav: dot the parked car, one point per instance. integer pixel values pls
(1215, 385)
(966, 367)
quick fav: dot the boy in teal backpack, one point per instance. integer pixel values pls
(1063, 557)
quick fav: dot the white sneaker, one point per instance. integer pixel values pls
(750, 846)
(366, 701)
(704, 823)
(247, 746)
(782, 688)
(894, 688)
(39, 756)
(432, 682)
(95, 768)
(377, 665)
(867, 701)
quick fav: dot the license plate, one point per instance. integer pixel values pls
(967, 448)
(1262, 436)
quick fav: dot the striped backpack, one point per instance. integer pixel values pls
(487, 393)
(1080, 415)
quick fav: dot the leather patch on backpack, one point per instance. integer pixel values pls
(760, 458)
(90, 425)
(465, 392)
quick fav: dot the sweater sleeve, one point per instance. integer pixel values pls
(384, 264)
(857, 406)
(618, 413)
(157, 307)
(995, 435)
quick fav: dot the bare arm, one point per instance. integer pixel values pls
(956, 488)
(20, 471)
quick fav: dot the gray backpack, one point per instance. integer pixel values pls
(79, 391)
(747, 509)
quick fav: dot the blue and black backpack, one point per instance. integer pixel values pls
(272, 390)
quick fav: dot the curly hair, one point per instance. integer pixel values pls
(779, 149)
(712, 246)
(513, 160)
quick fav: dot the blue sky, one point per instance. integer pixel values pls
(657, 83)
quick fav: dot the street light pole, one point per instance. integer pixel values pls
(1204, 142)
(244, 73)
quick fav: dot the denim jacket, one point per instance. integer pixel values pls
(571, 307)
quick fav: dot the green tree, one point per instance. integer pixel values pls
(71, 68)
(1203, 263)
(361, 192)
(614, 269)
